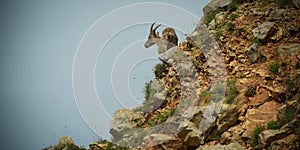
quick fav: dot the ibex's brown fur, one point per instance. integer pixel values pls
(167, 41)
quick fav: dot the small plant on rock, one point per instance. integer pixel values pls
(233, 16)
(297, 66)
(147, 91)
(250, 91)
(273, 125)
(286, 116)
(232, 91)
(219, 34)
(254, 136)
(229, 26)
(255, 41)
(159, 70)
(210, 16)
(274, 68)
(261, 58)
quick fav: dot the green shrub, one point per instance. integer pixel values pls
(147, 91)
(261, 58)
(210, 16)
(232, 91)
(265, 2)
(205, 96)
(161, 117)
(255, 41)
(286, 116)
(254, 136)
(70, 146)
(233, 16)
(250, 91)
(219, 34)
(297, 66)
(282, 3)
(232, 7)
(159, 70)
(214, 138)
(229, 26)
(273, 125)
(238, 32)
(274, 68)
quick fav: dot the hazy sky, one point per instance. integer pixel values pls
(39, 40)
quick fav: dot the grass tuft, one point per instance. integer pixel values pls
(254, 136)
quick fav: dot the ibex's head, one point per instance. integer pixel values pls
(152, 36)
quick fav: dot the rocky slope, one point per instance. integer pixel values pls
(234, 83)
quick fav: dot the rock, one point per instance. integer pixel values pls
(231, 146)
(297, 3)
(289, 50)
(260, 116)
(124, 120)
(262, 95)
(65, 140)
(212, 147)
(212, 24)
(220, 17)
(156, 98)
(227, 117)
(156, 141)
(156, 101)
(268, 136)
(284, 143)
(156, 86)
(190, 134)
(214, 5)
(264, 31)
(276, 14)
(234, 146)
(97, 146)
(252, 53)
(194, 114)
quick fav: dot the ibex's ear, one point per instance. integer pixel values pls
(157, 33)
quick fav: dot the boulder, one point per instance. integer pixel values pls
(214, 5)
(269, 136)
(234, 146)
(260, 116)
(297, 3)
(252, 53)
(289, 50)
(158, 141)
(276, 14)
(211, 147)
(284, 143)
(190, 134)
(227, 117)
(124, 120)
(264, 31)
(231, 146)
(65, 140)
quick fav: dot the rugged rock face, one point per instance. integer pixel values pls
(234, 83)
(261, 72)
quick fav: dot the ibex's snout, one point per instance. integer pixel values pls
(149, 43)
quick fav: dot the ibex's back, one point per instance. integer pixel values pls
(168, 40)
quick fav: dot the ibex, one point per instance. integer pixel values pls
(168, 40)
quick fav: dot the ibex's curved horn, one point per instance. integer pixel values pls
(156, 27)
(151, 28)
